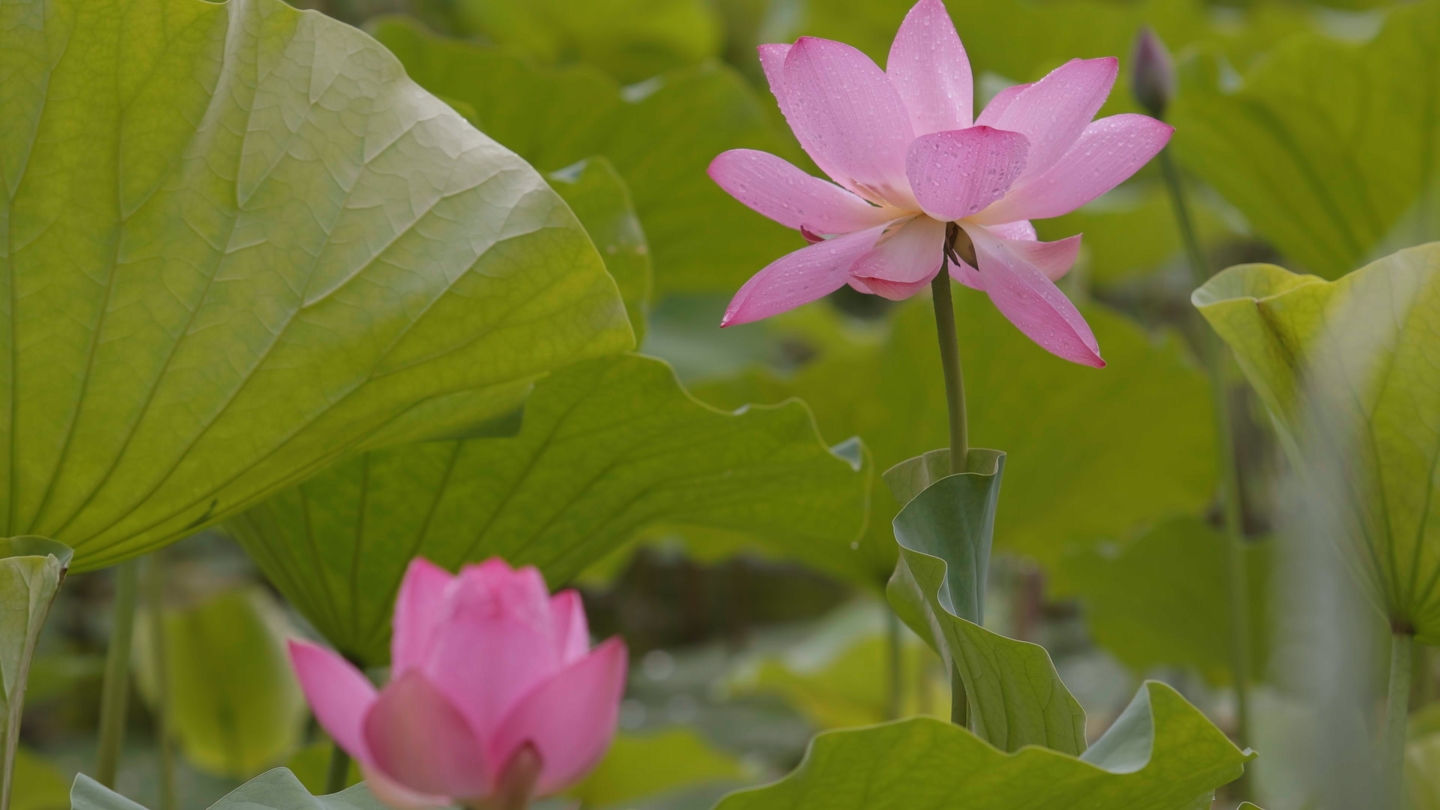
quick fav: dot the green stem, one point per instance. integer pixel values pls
(893, 642)
(1397, 712)
(116, 689)
(1236, 574)
(338, 775)
(155, 614)
(950, 361)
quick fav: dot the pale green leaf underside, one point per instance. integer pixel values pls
(232, 700)
(235, 243)
(277, 789)
(1350, 370)
(608, 448)
(1015, 697)
(1162, 754)
(1332, 151)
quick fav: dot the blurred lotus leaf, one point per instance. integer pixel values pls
(608, 448)
(1328, 148)
(231, 698)
(276, 789)
(1161, 754)
(1350, 371)
(239, 256)
(643, 766)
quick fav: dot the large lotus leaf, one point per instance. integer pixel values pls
(231, 699)
(1160, 598)
(1329, 149)
(1161, 754)
(1092, 453)
(1014, 695)
(31, 570)
(630, 39)
(238, 243)
(660, 135)
(641, 766)
(1350, 371)
(277, 789)
(608, 447)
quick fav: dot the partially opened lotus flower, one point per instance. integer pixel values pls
(909, 161)
(495, 696)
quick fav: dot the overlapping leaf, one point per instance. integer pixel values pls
(1013, 694)
(31, 570)
(608, 447)
(660, 135)
(1332, 151)
(1350, 370)
(1161, 754)
(237, 243)
(273, 790)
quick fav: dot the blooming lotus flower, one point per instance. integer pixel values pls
(495, 696)
(909, 160)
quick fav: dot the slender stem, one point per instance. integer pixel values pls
(893, 642)
(1397, 711)
(116, 689)
(159, 662)
(950, 361)
(338, 776)
(1236, 574)
(959, 703)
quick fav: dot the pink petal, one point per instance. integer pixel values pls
(339, 695)
(1021, 230)
(395, 795)
(422, 741)
(572, 630)
(1054, 259)
(1000, 103)
(929, 69)
(1108, 152)
(417, 613)
(957, 173)
(904, 260)
(1055, 110)
(849, 118)
(798, 278)
(495, 644)
(780, 191)
(772, 61)
(570, 719)
(1023, 293)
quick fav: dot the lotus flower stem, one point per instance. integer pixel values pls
(1236, 572)
(337, 776)
(950, 362)
(116, 689)
(1397, 712)
(155, 612)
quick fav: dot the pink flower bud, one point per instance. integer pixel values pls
(495, 696)
(1152, 72)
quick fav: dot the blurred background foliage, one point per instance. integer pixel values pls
(1310, 135)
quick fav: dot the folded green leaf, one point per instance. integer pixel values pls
(660, 135)
(239, 244)
(231, 699)
(1015, 696)
(1350, 371)
(1161, 754)
(31, 570)
(277, 789)
(608, 447)
(1328, 148)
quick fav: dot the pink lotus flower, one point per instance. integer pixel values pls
(908, 160)
(495, 696)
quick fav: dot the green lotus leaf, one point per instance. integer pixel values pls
(31, 570)
(1161, 754)
(608, 448)
(642, 766)
(230, 695)
(1350, 371)
(38, 785)
(1014, 695)
(239, 243)
(1093, 453)
(276, 789)
(1328, 148)
(1158, 598)
(660, 136)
